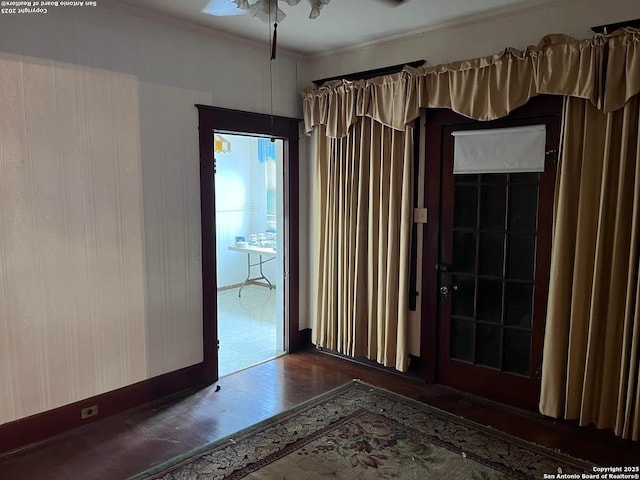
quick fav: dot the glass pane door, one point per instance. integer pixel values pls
(493, 271)
(494, 238)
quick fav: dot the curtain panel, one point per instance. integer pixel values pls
(592, 340)
(362, 200)
(486, 88)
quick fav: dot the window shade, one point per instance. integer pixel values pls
(501, 150)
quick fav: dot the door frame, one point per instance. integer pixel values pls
(437, 120)
(227, 120)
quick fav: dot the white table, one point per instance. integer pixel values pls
(264, 255)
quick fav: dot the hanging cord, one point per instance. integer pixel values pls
(272, 41)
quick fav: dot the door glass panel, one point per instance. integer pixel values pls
(465, 207)
(517, 348)
(464, 252)
(524, 208)
(461, 347)
(490, 300)
(493, 178)
(519, 304)
(525, 177)
(466, 178)
(488, 345)
(492, 207)
(462, 296)
(521, 261)
(491, 254)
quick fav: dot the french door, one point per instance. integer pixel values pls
(491, 270)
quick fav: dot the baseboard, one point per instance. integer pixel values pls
(411, 373)
(36, 428)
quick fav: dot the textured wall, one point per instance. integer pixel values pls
(100, 255)
(72, 279)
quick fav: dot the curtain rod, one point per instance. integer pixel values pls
(611, 27)
(376, 72)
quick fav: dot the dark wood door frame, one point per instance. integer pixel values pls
(437, 121)
(225, 120)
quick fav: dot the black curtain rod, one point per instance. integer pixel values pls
(377, 72)
(612, 27)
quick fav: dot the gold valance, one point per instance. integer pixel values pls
(489, 87)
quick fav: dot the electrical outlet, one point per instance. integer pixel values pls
(87, 412)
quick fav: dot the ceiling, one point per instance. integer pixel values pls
(342, 23)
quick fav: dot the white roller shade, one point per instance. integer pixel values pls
(500, 150)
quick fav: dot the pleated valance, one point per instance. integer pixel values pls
(489, 87)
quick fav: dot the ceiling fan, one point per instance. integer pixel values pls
(265, 10)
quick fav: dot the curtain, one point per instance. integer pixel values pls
(591, 352)
(363, 206)
(592, 339)
(485, 88)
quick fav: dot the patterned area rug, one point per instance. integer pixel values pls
(361, 432)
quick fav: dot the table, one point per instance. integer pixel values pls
(268, 253)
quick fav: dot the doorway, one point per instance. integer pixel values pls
(486, 272)
(249, 201)
(284, 131)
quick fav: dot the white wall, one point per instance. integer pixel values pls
(100, 256)
(234, 207)
(478, 37)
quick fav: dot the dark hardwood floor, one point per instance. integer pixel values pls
(129, 443)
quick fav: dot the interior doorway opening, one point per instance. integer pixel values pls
(249, 249)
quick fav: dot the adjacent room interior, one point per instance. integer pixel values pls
(204, 223)
(248, 190)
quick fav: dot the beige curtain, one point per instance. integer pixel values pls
(484, 88)
(362, 203)
(592, 342)
(591, 355)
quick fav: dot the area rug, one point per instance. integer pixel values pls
(358, 431)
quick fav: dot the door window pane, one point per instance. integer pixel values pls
(488, 345)
(462, 296)
(490, 300)
(461, 347)
(525, 178)
(524, 208)
(492, 209)
(522, 255)
(494, 178)
(464, 252)
(519, 304)
(465, 207)
(466, 178)
(517, 348)
(491, 254)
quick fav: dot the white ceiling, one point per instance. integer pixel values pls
(342, 23)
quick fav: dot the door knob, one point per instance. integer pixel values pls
(444, 291)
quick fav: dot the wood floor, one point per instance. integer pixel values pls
(126, 444)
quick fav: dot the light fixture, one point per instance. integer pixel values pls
(221, 144)
(258, 8)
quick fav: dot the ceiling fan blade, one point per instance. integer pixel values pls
(222, 8)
